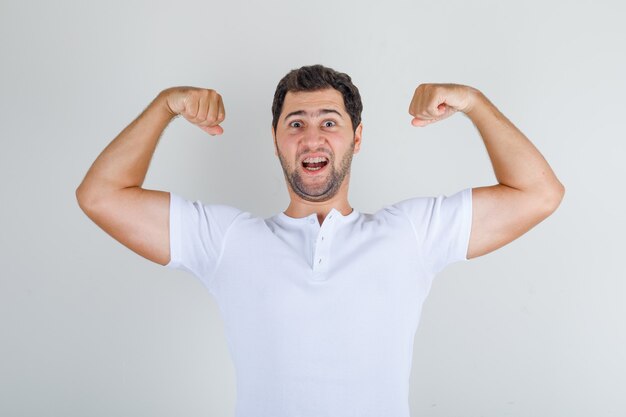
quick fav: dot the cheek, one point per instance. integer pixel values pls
(287, 150)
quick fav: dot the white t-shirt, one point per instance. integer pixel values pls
(320, 319)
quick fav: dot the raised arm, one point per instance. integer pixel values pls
(527, 192)
(111, 194)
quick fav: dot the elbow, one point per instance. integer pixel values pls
(552, 197)
(82, 197)
(86, 199)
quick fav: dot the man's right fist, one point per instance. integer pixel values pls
(202, 107)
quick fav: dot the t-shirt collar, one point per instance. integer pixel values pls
(333, 212)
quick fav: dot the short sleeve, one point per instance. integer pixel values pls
(197, 235)
(442, 226)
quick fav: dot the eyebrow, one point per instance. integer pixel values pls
(317, 114)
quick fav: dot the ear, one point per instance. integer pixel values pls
(275, 144)
(357, 138)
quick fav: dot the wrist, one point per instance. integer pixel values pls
(474, 98)
(162, 101)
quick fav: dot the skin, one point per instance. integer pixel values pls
(111, 193)
(315, 132)
(527, 192)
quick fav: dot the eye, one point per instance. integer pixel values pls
(329, 123)
(295, 124)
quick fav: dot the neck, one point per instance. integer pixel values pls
(298, 207)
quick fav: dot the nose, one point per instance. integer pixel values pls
(313, 137)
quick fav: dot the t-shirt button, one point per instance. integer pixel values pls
(311, 221)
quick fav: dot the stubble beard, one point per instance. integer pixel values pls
(324, 190)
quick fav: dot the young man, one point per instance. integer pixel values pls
(320, 302)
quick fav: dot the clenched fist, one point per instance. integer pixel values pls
(434, 102)
(202, 107)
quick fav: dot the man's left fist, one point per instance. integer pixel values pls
(434, 102)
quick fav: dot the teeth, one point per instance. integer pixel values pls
(315, 160)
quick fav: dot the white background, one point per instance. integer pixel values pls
(88, 328)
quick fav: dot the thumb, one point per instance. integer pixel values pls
(213, 130)
(421, 122)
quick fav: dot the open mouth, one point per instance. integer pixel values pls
(315, 164)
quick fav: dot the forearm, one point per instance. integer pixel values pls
(125, 161)
(516, 161)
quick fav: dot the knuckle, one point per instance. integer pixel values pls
(190, 103)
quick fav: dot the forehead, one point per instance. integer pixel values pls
(311, 100)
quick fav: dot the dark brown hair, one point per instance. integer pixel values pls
(318, 77)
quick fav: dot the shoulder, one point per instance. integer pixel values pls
(187, 212)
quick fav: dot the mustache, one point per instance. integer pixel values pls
(325, 151)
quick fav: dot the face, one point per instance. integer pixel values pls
(315, 142)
